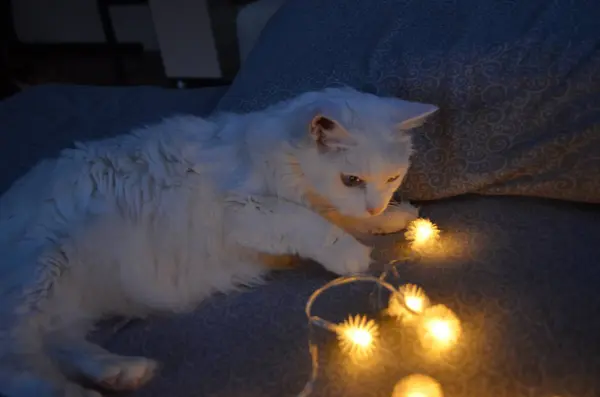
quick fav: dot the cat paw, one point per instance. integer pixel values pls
(120, 373)
(395, 218)
(347, 256)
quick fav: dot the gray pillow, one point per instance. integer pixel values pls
(517, 84)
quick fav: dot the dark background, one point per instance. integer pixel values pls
(109, 63)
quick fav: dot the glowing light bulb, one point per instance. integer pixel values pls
(421, 232)
(414, 297)
(440, 328)
(418, 386)
(357, 336)
(410, 300)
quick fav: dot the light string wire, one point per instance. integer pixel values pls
(330, 326)
(414, 234)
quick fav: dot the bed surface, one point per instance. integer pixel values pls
(523, 280)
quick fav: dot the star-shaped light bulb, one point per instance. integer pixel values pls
(421, 232)
(408, 302)
(361, 337)
(414, 298)
(357, 336)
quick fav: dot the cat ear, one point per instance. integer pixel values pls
(329, 134)
(414, 114)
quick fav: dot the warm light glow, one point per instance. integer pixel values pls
(414, 297)
(418, 386)
(357, 336)
(421, 232)
(410, 300)
(440, 328)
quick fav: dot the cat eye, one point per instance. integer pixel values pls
(352, 180)
(394, 178)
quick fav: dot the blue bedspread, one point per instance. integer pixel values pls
(523, 279)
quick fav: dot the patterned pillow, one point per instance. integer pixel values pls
(517, 83)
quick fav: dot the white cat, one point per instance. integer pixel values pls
(161, 218)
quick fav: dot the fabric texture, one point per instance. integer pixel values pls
(517, 84)
(39, 122)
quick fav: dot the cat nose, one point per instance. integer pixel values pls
(376, 210)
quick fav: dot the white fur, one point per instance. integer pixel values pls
(161, 218)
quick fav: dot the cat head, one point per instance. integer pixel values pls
(356, 147)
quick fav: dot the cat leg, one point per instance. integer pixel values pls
(279, 227)
(81, 359)
(25, 284)
(76, 303)
(34, 315)
(25, 368)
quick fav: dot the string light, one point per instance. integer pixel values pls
(414, 298)
(440, 328)
(422, 233)
(350, 342)
(357, 335)
(417, 385)
(411, 300)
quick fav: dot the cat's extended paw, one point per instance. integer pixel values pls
(347, 256)
(395, 218)
(120, 373)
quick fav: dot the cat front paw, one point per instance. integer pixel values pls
(119, 373)
(346, 256)
(395, 218)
